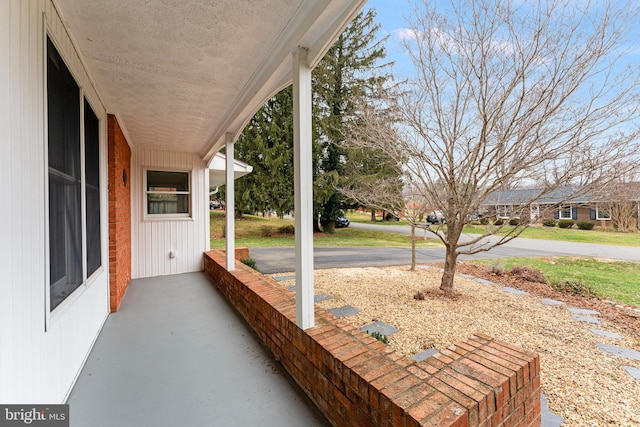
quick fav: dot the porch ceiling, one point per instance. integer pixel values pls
(180, 74)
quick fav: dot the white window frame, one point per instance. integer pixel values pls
(152, 216)
(502, 211)
(602, 218)
(562, 209)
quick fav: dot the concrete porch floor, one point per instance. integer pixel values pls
(177, 354)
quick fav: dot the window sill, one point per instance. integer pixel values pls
(153, 218)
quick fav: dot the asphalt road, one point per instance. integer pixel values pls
(282, 259)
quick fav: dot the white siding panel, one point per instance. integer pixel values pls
(154, 239)
(37, 365)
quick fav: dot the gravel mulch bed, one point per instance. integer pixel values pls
(583, 385)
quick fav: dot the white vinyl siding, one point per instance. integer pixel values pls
(155, 238)
(40, 357)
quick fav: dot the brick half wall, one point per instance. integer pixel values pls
(356, 380)
(119, 182)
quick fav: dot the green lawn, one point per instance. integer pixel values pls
(617, 281)
(570, 235)
(255, 231)
(599, 236)
(365, 218)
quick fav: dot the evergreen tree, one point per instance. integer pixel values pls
(267, 145)
(349, 70)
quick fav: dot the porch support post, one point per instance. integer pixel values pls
(303, 188)
(230, 207)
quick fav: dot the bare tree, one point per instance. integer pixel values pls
(408, 203)
(509, 92)
(619, 199)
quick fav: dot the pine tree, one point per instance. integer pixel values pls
(349, 70)
(267, 145)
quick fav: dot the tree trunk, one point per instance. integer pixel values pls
(373, 215)
(316, 223)
(413, 247)
(451, 257)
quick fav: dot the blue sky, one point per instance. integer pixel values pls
(392, 16)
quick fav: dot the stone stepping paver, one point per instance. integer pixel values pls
(283, 278)
(550, 301)
(514, 291)
(321, 297)
(634, 372)
(347, 310)
(619, 351)
(586, 319)
(607, 334)
(292, 288)
(484, 281)
(583, 311)
(548, 418)
(379, 327)
(424, 354)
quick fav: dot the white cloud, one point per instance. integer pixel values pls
(406, 33)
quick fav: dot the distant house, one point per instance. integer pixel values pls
(561, 203)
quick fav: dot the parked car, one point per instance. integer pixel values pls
(214, 204)
(342, 222)
(436, 217)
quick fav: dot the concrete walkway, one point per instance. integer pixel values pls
(176, 354)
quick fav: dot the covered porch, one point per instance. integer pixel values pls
(176, 353)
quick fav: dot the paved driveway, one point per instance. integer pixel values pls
(277, 260)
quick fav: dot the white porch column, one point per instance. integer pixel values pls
(230, 206)
(303, 188)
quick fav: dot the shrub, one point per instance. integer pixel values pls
(484, 221)
(496, 267)
(529, 274)
(575, 287)
(287, 229)
(498, 221)
(266, 231)
(382, 338)
(419, 296)
(549, 222)
(514, 221)
(565, 223)
(250, 262)
(584, 225)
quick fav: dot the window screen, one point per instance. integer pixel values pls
(65, 186)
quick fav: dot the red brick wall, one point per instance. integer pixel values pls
(241, 253)
(119, 160)
(356, 380)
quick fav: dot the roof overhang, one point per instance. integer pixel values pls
(218, 167)
(182, 75)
